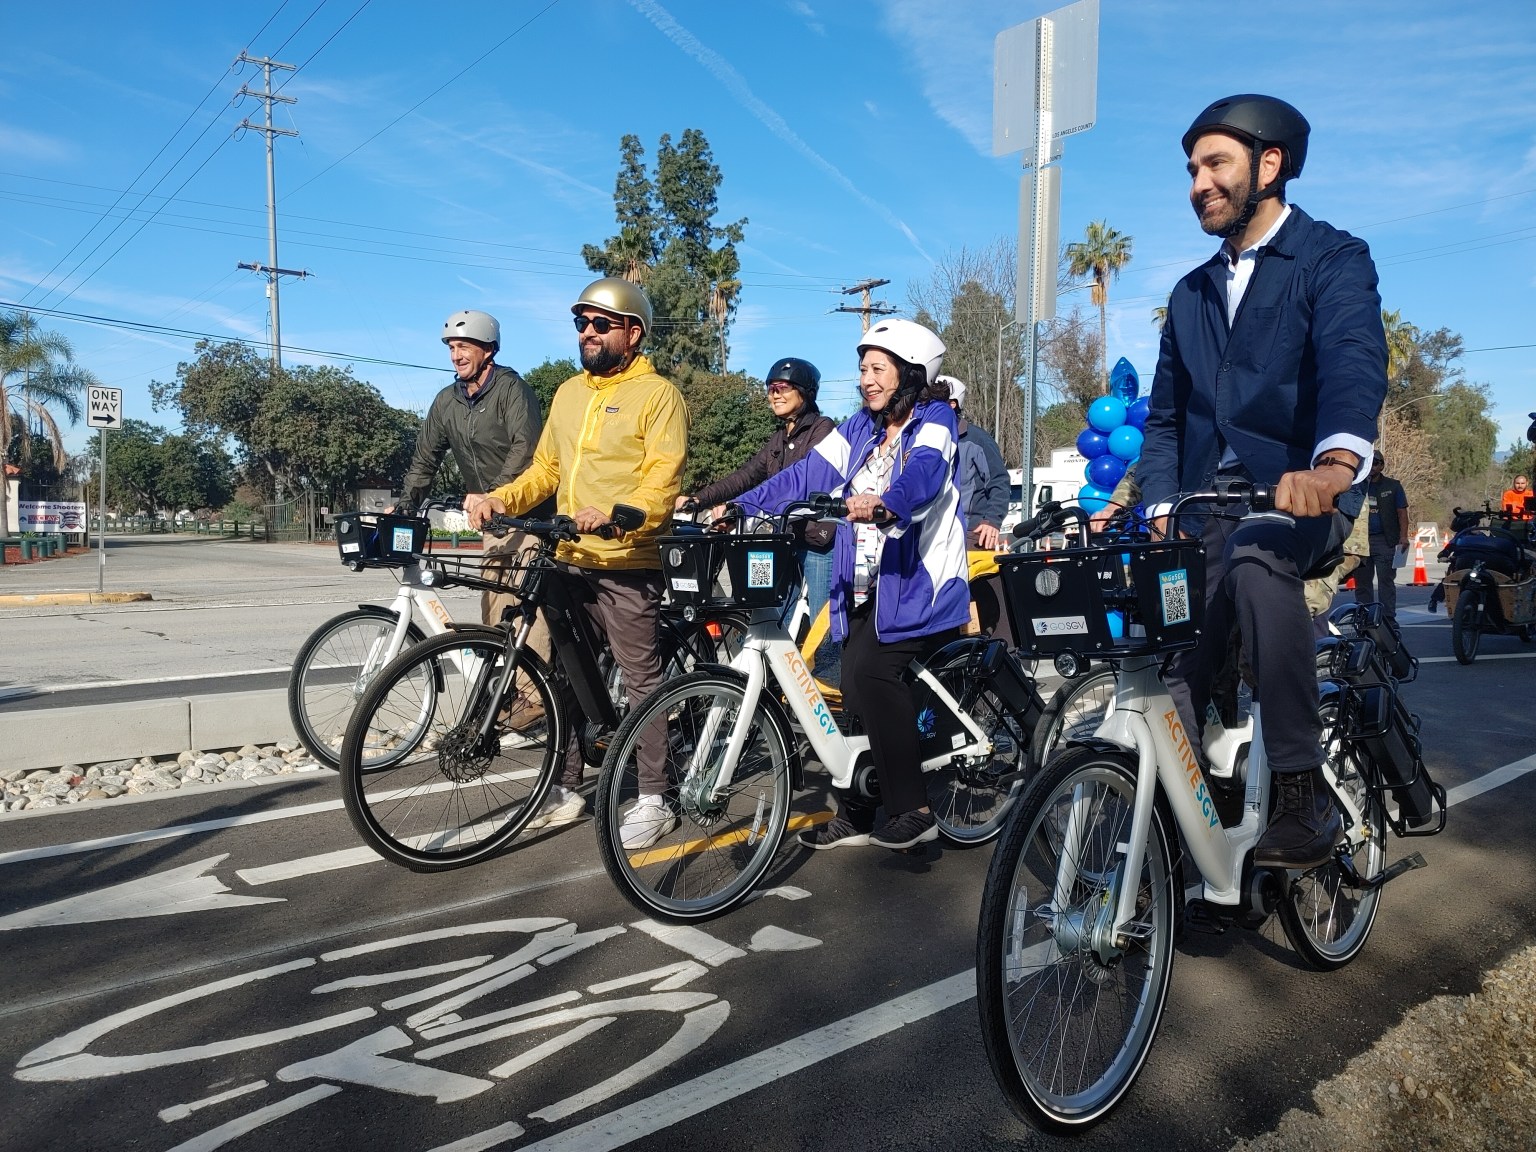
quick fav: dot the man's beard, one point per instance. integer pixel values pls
(1228, 208)
(600, 360)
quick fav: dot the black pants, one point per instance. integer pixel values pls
(875, 690)
(1253, 577)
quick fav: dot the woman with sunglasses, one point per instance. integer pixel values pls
(899, 567)
(792, 385)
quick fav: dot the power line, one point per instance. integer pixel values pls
(148, 165)
(457, 75)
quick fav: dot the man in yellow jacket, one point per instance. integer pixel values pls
(616, 434)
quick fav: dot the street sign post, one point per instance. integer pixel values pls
(103, 410)
(1045, 87)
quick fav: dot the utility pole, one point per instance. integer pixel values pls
(268, 97)
(867, 308)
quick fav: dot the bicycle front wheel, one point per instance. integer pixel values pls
(1075, 712)
(332, 671)
(716, 838)
(1069, 1010)
(1326, 914)
(428, 781)
(970, 802)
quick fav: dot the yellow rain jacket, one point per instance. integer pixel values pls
(609, 440)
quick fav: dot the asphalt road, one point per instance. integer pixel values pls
(226, 616)
(268, 984)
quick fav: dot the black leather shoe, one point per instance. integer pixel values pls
(1306, 825)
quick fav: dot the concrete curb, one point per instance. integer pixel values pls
(95, 734)
(29, 599)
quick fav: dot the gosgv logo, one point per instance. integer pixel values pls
(807, 685)
(1191, 768)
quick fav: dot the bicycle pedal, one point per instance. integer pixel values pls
(1202, 916)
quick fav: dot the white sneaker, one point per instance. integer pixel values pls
(647, 822)
(562, 806)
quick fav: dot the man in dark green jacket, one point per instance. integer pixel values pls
(489, 418)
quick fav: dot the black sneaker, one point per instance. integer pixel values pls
(914, 827)
(1306, 825)
(837, 832)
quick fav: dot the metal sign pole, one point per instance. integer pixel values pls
(101, 513)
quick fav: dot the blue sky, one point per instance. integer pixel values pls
(855, 136)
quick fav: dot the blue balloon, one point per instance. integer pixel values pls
(1090, 499)
(1123, 381)
(1105, 472)
(1092, 444)
(1136, 415)
(1125, 442)
(1106, 414)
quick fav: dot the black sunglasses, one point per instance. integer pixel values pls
(600, 324)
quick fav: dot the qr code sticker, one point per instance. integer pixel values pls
(400, 540)
(1174, 587)
(759, 569)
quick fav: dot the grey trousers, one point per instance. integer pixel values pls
(1376, 579)
(625, 608)
(1253, 579)
(500, 554)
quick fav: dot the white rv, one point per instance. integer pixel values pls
(1058, 480)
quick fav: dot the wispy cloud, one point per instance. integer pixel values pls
(465, 280)
(949, 43)
(803, 10)
(33, 146)
(722, 71)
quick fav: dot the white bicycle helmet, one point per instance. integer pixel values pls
(908, 341)
(481, 327)
(956, 389)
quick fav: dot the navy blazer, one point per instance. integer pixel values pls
(1305, 359)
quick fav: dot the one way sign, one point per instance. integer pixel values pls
(104, 408)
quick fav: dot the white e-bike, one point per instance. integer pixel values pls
(1088, 882)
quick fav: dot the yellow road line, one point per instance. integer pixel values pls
(662, 855)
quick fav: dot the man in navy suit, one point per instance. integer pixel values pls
(1272, 369)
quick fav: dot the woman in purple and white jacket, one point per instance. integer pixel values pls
(899, 587)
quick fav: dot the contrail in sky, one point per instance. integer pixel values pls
(728, 76)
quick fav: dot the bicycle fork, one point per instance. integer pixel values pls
(701, 789)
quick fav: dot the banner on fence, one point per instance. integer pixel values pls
(51, 516)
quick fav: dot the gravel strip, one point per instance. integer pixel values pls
(1458, 1073)
(28, 790)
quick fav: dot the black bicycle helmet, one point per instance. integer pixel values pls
(1261, 122)
(800, 373)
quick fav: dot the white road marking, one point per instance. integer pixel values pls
(168, 893)
(240, 1125)
(644, 1117)
(393, 976)
(481, 1141)
(1489, 781)
(308, 866)
(1526, 655)
(151, 834)
(691, 942)
(362, 1062)
(182, 1111)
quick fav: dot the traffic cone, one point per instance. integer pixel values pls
(1420, 573)
(1349, 585)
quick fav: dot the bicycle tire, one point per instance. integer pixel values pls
(1466, 635)
(448, 798)
(970, 803)
(1066, 1033)
(718, 849)
(331, 673)
(1326, 919)
(1074, 713)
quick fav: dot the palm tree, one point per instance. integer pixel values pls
(1101, 253)
(1402, 346)
(37, 373)
(1160, 316)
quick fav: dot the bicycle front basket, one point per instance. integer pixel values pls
(379, 540)
(718, 571)
(1124, 599)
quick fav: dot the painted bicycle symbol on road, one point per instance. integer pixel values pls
(445, 1031)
